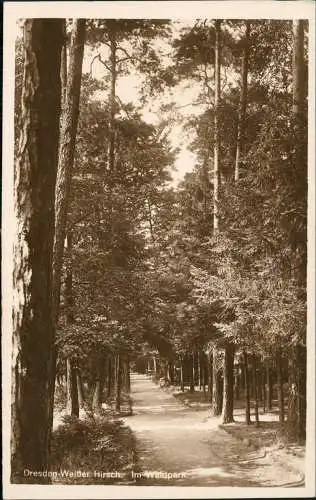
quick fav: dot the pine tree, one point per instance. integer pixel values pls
(35, 176)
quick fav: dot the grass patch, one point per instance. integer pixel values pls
(255, 437)
(199, 400)
(89, 451)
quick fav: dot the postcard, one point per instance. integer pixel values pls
(158, 326)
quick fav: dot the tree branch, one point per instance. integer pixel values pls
(107, 44)
(118, 61)
(128, 56)
(98, 57)
(91, 64)
(123, 107)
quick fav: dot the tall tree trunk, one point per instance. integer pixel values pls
(269, 386)
(81, 395)
(171, 372)
(216, 181)
(69, 122)
(217, 397)
(243, 102)
(301, 390)
(256, 387)
(297, 391)
(228, 400)
(264, 388)
(63, 67)
(203, 372)
(192, 373)
(125, 374)
(113, 64)
(299, 83)
(247, 392)
(69, 298)
(72, 389)
(118, 384)
(63, 80)
(155, 365)
(210, 377)
(199, 369)
(280, 385)
(237, 384)
(181, 374)
(35, 176)
(99, 386)
(297, 394)
(110, 377)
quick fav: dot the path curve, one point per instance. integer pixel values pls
(178, 446)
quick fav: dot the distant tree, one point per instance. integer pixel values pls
(128, 43)
(243, 101)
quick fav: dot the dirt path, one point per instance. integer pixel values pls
(189, 446)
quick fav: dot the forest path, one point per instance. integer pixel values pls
(177, 440)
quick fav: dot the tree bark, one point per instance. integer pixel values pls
(181, 374)
(69, 298)
(155, 365)
(118, 383)
(35, 176)
(63, 67)
(113, 64)
(256, 387)
(280, 385)
(72, 389)
(216, 180)
(297, 390)
(217, 397)
(269, 387)
(264, 389)
(203, 369)
(171, 372)
(99, 386)
(243, 103)
(228, 400)
(210, 377)
(296, 419)
(298, 72)
(81, 396)
(247, 392)
(125, 378)
(110, 376)
(69, 122)
(192, 373)
(128, 376)
(237, 384)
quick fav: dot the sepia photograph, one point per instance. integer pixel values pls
(158, 286)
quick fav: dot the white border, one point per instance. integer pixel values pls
(238, 9)
(136, 9)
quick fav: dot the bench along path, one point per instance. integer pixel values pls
(186, 444)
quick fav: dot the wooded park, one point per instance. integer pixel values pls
(197, 286)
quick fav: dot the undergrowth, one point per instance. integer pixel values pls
(86, 451)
